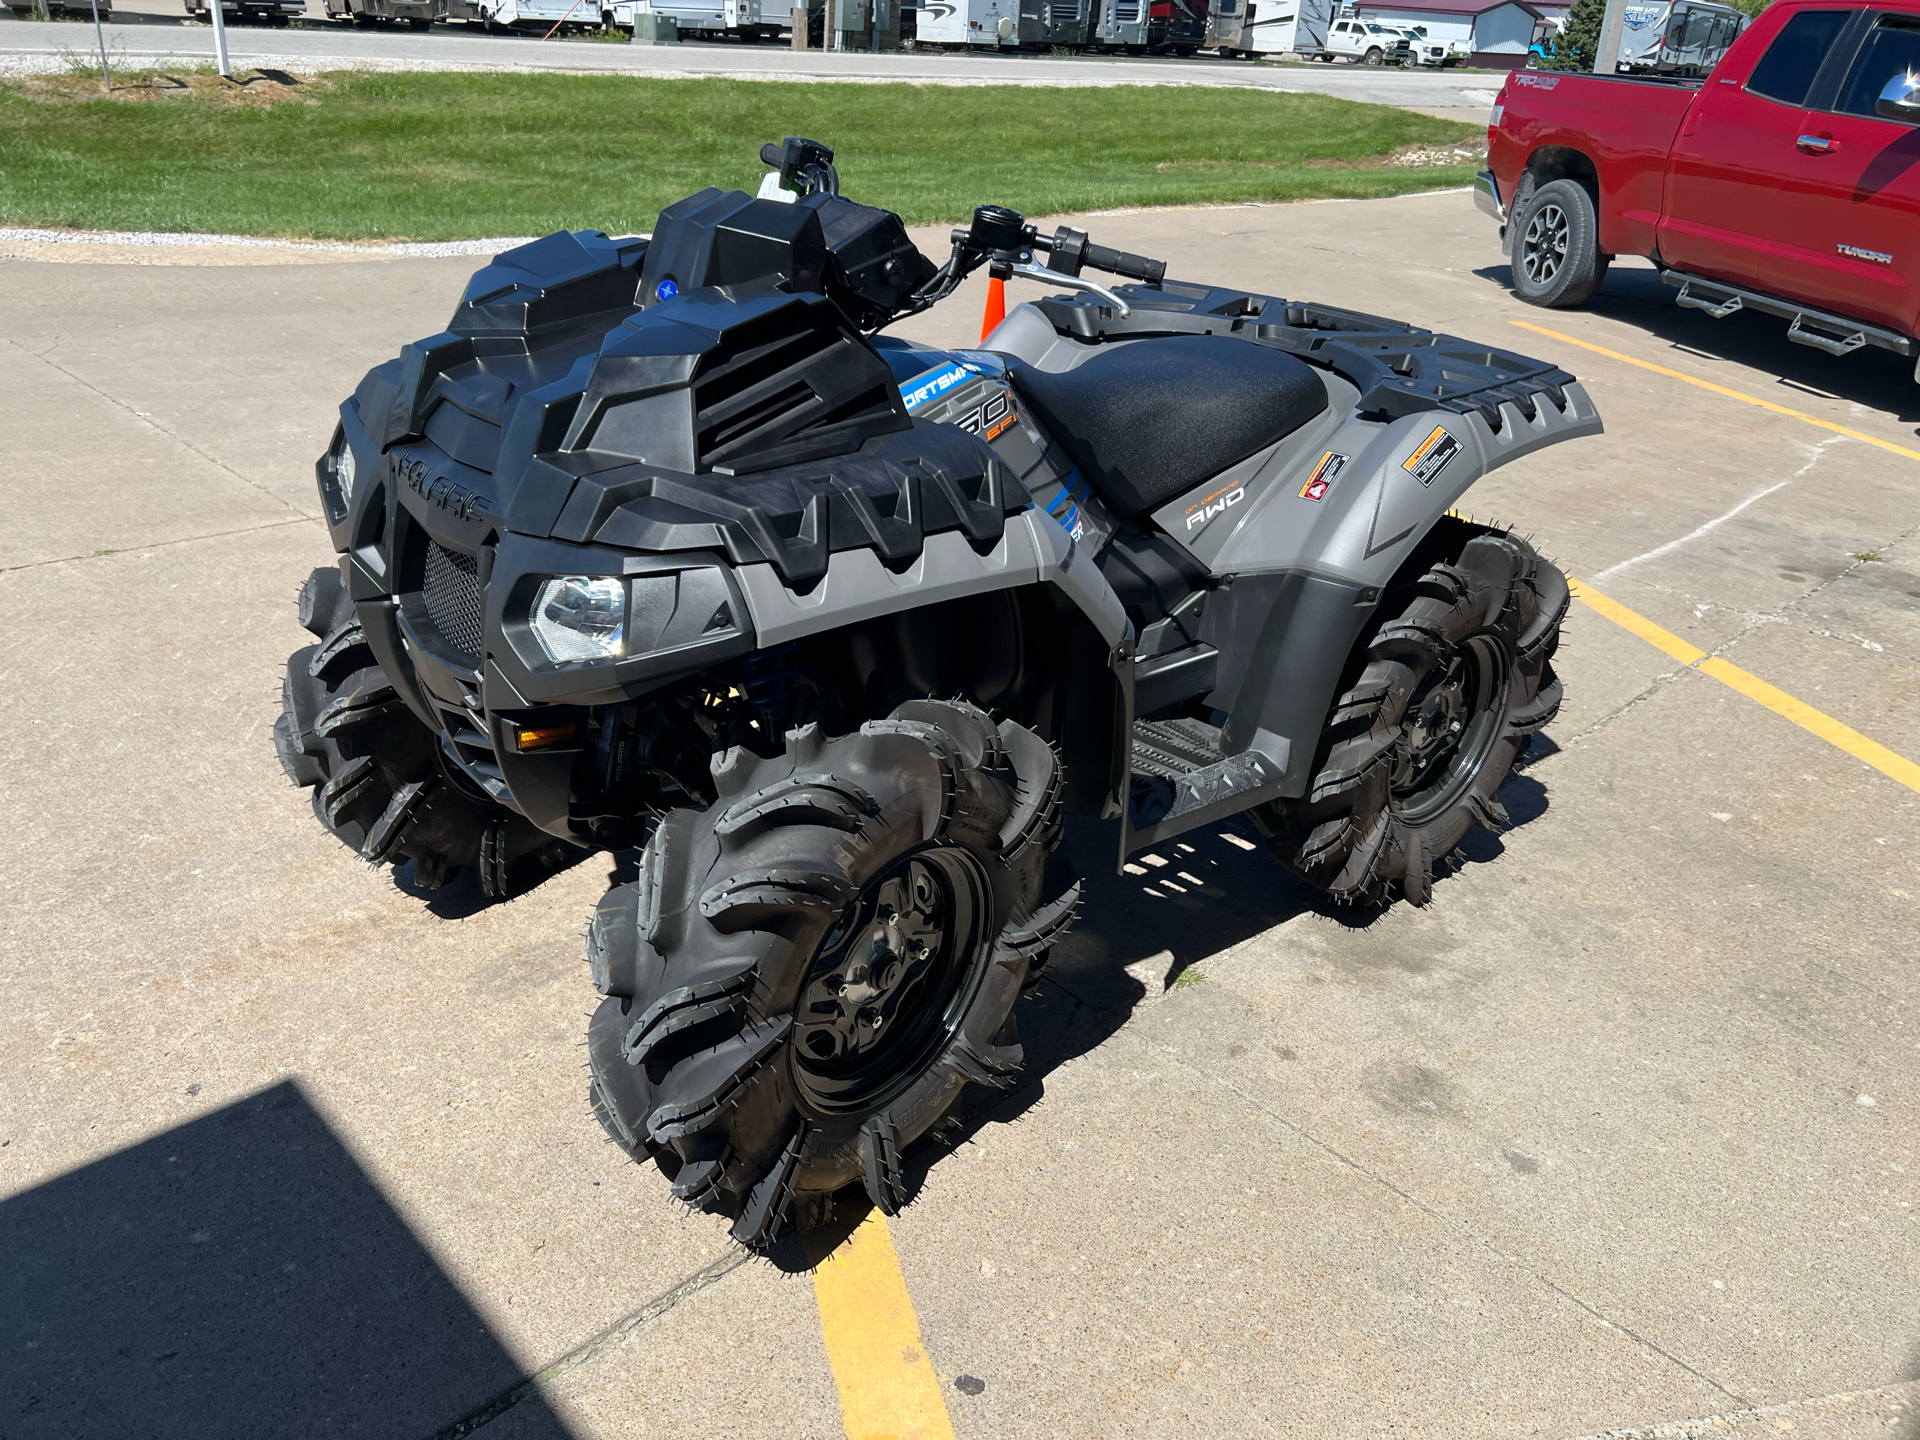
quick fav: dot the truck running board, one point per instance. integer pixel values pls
(1181, 781)
(1835, 334)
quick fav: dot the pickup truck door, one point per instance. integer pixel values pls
(1724, 196)
(1855, 231)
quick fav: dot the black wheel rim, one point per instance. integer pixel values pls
(1453, 720)
(1543, 251)
(893, 982)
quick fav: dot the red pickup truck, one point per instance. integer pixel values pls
(1788, 181)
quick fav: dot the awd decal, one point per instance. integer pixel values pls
(1215, 504)
(1878, 257)
(1318, 483)
(1426, 463)
(932, 385)
(438, 489)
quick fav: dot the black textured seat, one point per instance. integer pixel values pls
(1149, 420)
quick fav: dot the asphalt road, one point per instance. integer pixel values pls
(157, 34)
(1621, 1130)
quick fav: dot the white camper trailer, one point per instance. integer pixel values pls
(1270, 27)
(704, 18)
(1001, 24)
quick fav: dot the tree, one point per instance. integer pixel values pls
(1578, 42)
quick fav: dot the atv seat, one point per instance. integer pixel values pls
(1149, 420)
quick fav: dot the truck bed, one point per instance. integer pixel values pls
(1624, 123)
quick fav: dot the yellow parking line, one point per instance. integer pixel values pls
(1723, 390)
(1814, 722)
(888, 1390)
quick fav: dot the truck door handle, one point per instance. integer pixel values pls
(1818, 144)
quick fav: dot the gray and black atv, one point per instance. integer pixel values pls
(660, 543)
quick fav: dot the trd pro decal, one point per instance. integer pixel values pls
(1432, 456)
(1331, 464)
(1215, 504)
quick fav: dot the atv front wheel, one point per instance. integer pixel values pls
(806, 973)
(1450, 685)
(381, 783)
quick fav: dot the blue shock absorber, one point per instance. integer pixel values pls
(772, 679)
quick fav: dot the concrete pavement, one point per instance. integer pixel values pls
(1621, 1131)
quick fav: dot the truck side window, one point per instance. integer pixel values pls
(1786, 71)
(1892, 48)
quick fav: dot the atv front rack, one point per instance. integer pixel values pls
(1399, 369)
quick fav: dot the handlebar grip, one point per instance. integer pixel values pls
(771, 154)
(1119, 262)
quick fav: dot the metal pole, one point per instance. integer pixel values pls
(106, 77)
(1606, 59)
(220, 40)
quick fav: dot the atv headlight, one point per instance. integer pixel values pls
(581, 617)
(343, 470)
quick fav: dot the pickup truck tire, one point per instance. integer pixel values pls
(895, 876)
(1375, 56)
(1448, 689)
(1554, 240)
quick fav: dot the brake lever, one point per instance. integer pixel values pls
(1045, 276)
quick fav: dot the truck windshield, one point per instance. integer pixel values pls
(1892, 48)
(1786, 71)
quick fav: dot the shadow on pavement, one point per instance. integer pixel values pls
(1195, 896)
(241, 1276)
(1878, 379)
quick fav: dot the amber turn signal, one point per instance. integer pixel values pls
(543, 737)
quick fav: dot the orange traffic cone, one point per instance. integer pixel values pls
(996, 307)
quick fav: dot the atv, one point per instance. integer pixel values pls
(662, 544)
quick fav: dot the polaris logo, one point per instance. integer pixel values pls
(1215, 504)
(457, 499)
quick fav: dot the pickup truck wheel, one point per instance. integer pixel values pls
(806, 973)
(1555, 240)
(1375, 56)
(1448, 689)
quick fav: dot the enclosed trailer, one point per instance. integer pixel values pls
(1071, 22)
(1687, 38)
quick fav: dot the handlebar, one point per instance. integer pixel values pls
(997, 237)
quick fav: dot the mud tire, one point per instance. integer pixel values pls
(379, 783)
(1474, 598)
(704, 1055)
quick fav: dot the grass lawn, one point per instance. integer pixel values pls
(352, 155)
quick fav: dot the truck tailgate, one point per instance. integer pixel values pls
(1624, 126)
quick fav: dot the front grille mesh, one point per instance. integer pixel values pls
(452, 597)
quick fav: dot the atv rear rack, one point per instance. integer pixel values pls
(1399, 369)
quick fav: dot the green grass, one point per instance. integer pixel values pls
(451, 156)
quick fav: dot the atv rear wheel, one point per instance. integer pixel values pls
(806, 973)
(381, 783)
(1449, 687)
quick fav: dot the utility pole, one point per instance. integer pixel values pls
(220, 40)
(106, 77)
(1606, 58)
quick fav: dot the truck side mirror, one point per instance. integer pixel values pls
(1901, 99)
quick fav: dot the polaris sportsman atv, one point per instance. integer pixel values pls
(661, 543)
